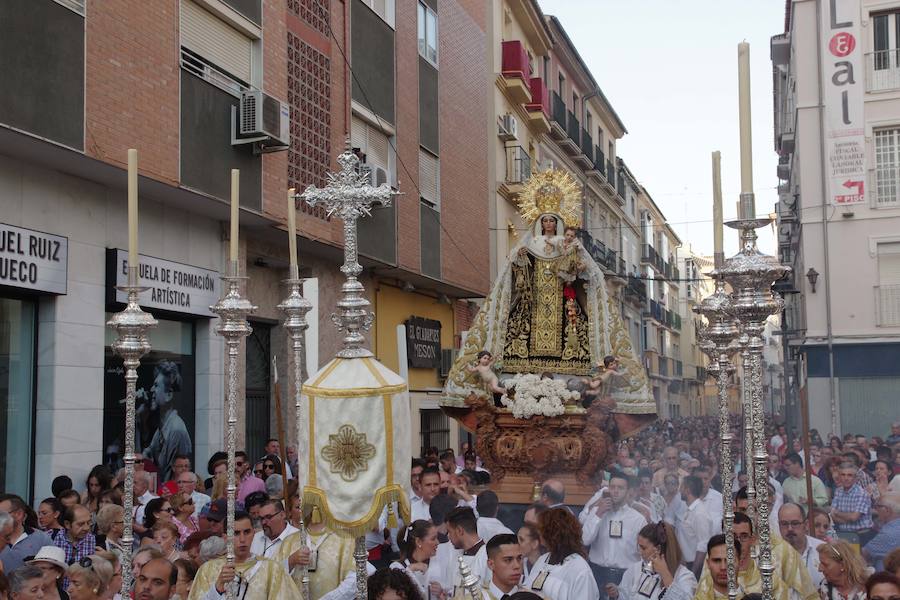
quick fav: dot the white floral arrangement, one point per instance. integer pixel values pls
(535, 396)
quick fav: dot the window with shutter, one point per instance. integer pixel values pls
(214, 40)
(375, 145)
(428, 179)
(889, 263)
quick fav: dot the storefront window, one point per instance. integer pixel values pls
(16, 393)
(164, 422)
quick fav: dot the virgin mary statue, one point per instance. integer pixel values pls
(549, 311)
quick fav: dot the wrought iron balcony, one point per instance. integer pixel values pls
(636, 288)
(603, 256)
(518, 165)
(558, 115)
(587, 145)
(573, 127)
(610, 172)
(664, 366)
(599, 161)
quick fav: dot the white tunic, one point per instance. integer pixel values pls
(488, 527)
(613, 538)
(571, 580)
(712, 502)
(695, 531)
(634, 580)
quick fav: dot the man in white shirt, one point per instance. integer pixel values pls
(489, 525)
(675, 506)
(696, 528)
(505, 564)
(794, 529)
(275, 529)
(711, 499)
(553, 494)
(610, 528)
(187, 484)
(429, 487)
(462, 529)
(142, 495)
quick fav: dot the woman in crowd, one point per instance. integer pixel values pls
(562, 573)
(111, 524)
(98, 481)
(418, 544)
(114, 588)
(392, 584)
(821, 524)
(660, 572)
(158, 509)
(49, 512)
(89, 578)
(191, 546)
(165, 534)
(52, 562)
(882, 484)
(844, 571)
(184, 518)
(187, 570)
(113, 496)
(530, 542)
(883, 586)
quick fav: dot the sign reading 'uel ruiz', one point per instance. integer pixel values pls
(173, 286)
(423, 343)
(33, 260)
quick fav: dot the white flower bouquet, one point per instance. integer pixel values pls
(530, 395)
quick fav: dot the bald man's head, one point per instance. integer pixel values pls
(553, 492)
(792, 525)
(156, 581)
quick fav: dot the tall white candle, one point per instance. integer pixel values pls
(718, 252)
(292, 231)
(132, 208)
(744, 107)
(235, 187)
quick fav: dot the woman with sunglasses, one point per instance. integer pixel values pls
(844, 571)
(184, 519)
(158, 509)
(89, 578)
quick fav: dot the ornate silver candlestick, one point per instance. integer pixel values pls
(349, 196)
(131, 324)
(469, 580)
(295, 307)
(718, 343)
(743, 345)
(232, 309)
(751, 275)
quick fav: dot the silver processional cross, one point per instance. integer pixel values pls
(349, 195)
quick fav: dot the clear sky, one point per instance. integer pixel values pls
(669, 68)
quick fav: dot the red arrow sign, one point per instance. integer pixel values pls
(859, 185)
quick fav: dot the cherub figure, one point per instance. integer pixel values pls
(599, 383)
(484, 367)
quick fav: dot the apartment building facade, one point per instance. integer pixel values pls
(88, 81)
(837, 134)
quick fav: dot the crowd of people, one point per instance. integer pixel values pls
(652, 530)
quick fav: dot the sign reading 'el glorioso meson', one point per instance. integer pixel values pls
(423, 343)
(33, 260)
(173, 286)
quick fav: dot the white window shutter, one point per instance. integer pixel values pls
(215, 40)
(428, 177)
(377, 148)
(889, 263)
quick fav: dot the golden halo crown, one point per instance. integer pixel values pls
(552, 191)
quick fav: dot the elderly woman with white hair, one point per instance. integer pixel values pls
(25, 582)
(89, 578)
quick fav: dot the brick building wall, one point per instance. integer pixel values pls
(275, 82)
(132, 84)
(407, 89)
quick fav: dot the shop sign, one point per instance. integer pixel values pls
(172, 286)
(423, 343)
(33, 260)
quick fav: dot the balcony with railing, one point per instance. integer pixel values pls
(664, 366)
(516, 71)
(603, 256)
(887, 305)
(599, 168)
(636, 290)
(650, 256)
(883, 70)
(679, 369)
(701, 374)
(620, 189)
(539, 106)
(518, 170)
(611, 173)
(587, 145)
(621, 270)
(573, 133)
(557, 116)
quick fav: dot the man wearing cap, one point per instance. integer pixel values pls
(52, 562)
(212, 518)
(251, 578)
(23, 541)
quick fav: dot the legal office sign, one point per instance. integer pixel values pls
(33, 260)
(843, 97)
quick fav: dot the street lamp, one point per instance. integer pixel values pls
(813, 276)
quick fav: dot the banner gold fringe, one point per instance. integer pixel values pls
(317, 498)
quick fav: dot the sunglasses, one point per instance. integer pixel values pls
(258, 472)
(270, 467)
(169, 510)
(239, 463)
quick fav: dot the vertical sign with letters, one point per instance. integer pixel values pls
(844, 126)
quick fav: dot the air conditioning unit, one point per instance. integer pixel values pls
(377, 175)
(448, 357)
(263, 119)
(509, 128)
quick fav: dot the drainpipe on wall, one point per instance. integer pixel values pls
(824, 182)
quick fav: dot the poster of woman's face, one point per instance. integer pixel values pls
(164, 410)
